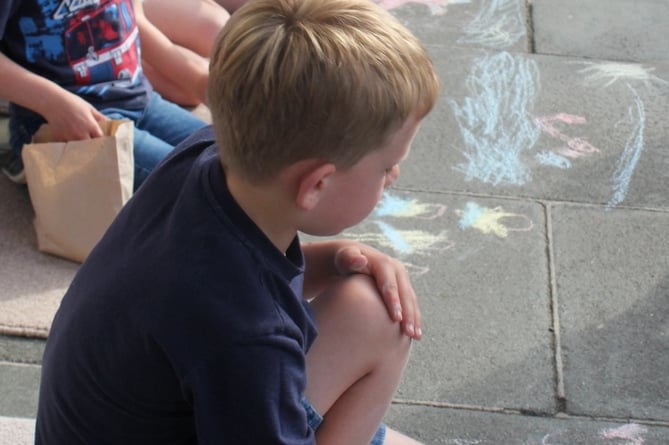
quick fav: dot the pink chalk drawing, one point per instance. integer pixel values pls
(437, 7)
(576, 147)
(632, 433)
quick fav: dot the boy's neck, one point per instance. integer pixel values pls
(269, 207)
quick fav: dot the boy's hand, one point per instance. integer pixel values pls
(74, 119)
(392, 280)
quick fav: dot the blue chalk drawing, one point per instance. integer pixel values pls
(496, 119)
(553, 159)
(493, 221)
(499, 24)
(398, 207)
(631, 153)
(470, 215)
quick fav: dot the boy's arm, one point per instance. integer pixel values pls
(173, 61)
(69, 116)
(326, 261)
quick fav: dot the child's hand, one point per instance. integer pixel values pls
(391, 278)
(74, 119)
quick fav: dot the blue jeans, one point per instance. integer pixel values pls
(314, 419)
(159, 127)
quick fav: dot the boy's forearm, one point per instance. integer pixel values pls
(22, 87)
(320, 267)
(168, 58)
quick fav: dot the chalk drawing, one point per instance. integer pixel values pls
(415, 270)
(399, 207)
(496, 119)
(437, 7)
(552, 159)
(631, 153)
(460, 441)
(412, 242)
(405, 242)
(499, 24)
(489, 221)
(629, 434)
(632, 433)
(608, 73)
(576, 147)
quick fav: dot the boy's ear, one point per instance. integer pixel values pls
(312, 185)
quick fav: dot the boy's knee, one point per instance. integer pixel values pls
(360, 299)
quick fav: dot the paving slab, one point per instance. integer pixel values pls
(541, 127)
(21, 349)
(437, 426)
(613, 292)
(499, 24)
(481, 271)
(624, 30)
(20, 389)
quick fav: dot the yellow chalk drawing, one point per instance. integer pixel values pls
(611, 72)
(489, 221)
(405, 242)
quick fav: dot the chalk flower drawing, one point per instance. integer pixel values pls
(496, 119)
(631, 432)
(406, 242)
(489, 221)
(407, 208)
(437, 7)
(631, 153)
(499, 24)
(608, 73)
(576, 147)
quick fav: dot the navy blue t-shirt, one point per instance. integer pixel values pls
(89, 47)
(185, 325)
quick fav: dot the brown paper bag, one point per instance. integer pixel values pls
(78, 187)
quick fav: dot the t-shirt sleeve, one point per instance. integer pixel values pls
(251, 394)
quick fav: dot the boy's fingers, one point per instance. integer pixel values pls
(411, 320)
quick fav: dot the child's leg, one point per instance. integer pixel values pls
(355, 364)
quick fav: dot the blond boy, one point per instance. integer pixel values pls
(200, 318)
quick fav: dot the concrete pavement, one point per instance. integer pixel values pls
(533, 214)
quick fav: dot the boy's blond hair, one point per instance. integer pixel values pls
(300, 79)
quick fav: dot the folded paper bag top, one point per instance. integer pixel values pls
(78, 187)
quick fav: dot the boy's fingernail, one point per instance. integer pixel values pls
(398, 313)
(410, 329)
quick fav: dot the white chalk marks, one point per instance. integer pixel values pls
(632, 433)
(437, 7)
(496, 119)
(499, 24)
(628, 434)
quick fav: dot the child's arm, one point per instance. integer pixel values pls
(70, 117)
(329, 260)
(172, 61)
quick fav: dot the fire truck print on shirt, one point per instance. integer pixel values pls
(96, 39)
